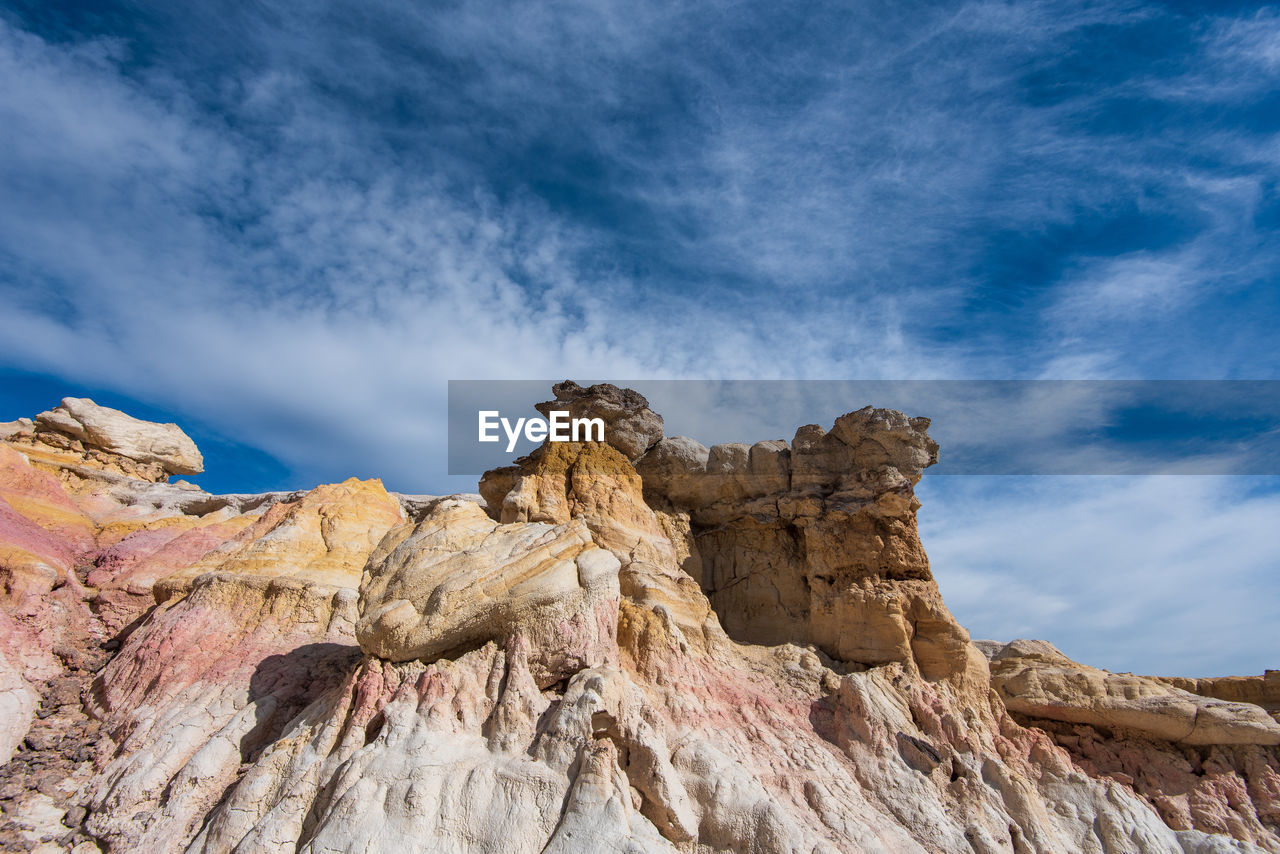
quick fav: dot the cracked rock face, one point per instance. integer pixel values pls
(1204, 762)
(816, 541)
(458, 580)
(652, 646)
(1041, 682)
(105, 437)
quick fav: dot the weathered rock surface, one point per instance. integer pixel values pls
(644, 645)
(80, 432)
(21, 663)
(1261, 690)
(1035, 679)
(259, 593)
(272, 613)
(816, 542)
(458, 580)
(323, 538)
(1203, 763)
(595, 483)
(630, 425)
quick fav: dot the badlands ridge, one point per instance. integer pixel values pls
(639, 645)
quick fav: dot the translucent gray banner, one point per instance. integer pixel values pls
(983, 426)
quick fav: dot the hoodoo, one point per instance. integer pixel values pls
(639, 644)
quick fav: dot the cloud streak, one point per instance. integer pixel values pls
(292, 223)
(1162, 575)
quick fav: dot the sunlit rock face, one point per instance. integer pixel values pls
(79, 432)
(458, 580)
(152, 635)
(1036, 680)
(633, 645)
(816, 541)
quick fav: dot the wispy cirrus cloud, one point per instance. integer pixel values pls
(1144, 575)
(294, 222)
(286, 303)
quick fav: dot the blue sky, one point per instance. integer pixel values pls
(287, 225)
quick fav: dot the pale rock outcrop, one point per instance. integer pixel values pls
(458, 580)
(466, 754)
(324, 537)
(10, 429)
(83, 543)
(566, 481)
(272, 613)
(46, 537)
(1261, 690)
(1201, 763)
(1229, 791)
(451, 756)
(199, 688)
(595, 483)
(22, 663)
(817, 541)
(17, 708)
(79, 431)
(676, 466)
(1035, 679)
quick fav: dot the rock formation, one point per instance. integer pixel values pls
(816, 542)
(1036, 680)
(1202, 761)
(79, 431)
(630, 425)
(635, 645)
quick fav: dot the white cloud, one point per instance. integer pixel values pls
(304, 311)
(1143, 286)
(1252, 41)
(303, 278)
(1169, 575)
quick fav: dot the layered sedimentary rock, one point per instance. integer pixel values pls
(458, 580)
(1263, 691)
(80, 432)
(1201, 761)
(1036, 680)
(594, 482)
(636, 645)
(816, 541)
(256, 601)
(271, 612)
(47, 628)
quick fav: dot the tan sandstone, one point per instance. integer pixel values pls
(738, 648)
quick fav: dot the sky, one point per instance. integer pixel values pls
(286, 226)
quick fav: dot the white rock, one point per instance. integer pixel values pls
(113, 431)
